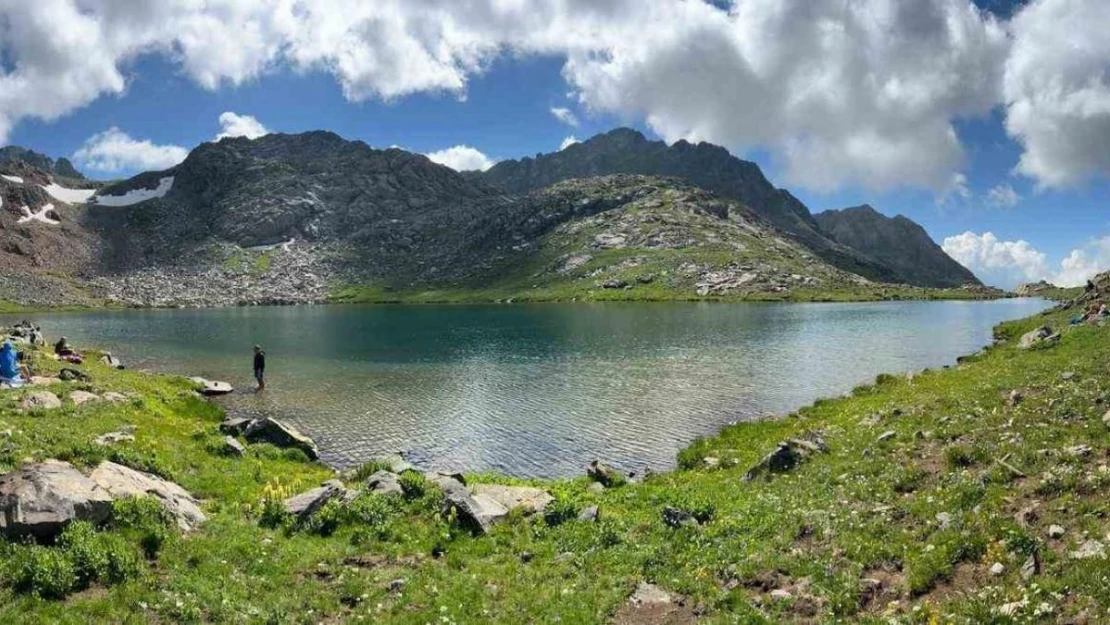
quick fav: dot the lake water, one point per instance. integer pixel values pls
(537, 390)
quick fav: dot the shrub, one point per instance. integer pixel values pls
(374, 511)
(273, 513)
(41, 571)
(414, 484)
(366, 469)
(908, 480)
(146, 519)
(560, 511)
(326, 520)
(98, 557)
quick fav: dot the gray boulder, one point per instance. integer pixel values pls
(41, 400)
(83, 397)
(384, 483)
(307, 503)
(787, 455)
(483, 505)
(234, 447)
(122, 481)
(41, 499)
(111, 361)
(1042, 334)
(280, 434)
(605, 474)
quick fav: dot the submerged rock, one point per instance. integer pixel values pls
(122, 481)
(41, 499)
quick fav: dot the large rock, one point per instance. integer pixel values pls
(122, 481)
(384, 483)
(83, 397)
(41, 499)
(1042, 334)
(281, 435)
(787, 455)
(235, 426)
(483, 505)
(307, 503)
(41, 400)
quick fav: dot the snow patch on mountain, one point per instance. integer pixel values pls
(42, 216)
(136, 196)
(69, 196)
(15, 179)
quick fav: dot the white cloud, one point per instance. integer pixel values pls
(1003, 196)
(1078, 266)
(1057, 90)
(462, 158)
(1009, 263)
(235, 125)
(565, 115)
(838, 92)
(569, 141)
(114, 150)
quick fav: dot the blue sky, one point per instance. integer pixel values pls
(942, 155)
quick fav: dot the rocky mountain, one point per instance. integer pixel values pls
(61, 167)
(292, 218)
(627, 151)
(713, 168)
(897, 242)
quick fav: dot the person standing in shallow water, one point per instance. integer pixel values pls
(260, 367)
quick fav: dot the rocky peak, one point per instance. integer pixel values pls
(898, 242)
(14, 154)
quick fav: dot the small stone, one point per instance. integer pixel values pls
(1078, 451)
(384, 483)
(1055, 531)
(1106, 418)
(944, 520)
(396, 585)
(649, 594)
(527, 556)
(779, 594)
(1090, 549)
(711, 463)
(589, 514)
(114, 397)
(1015, 397)
(595, 487)
(1067, 375)
(885, 436)
(997, 569)
(676, 518)
(1031, 567)
(111, 438)
(82, 397)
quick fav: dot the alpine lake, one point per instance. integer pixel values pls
(536, 390)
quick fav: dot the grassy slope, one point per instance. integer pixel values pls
(867, 509)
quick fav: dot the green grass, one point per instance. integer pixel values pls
(865, 509)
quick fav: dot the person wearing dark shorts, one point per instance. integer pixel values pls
(260, 366)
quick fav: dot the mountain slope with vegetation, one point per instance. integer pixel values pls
(967, 494)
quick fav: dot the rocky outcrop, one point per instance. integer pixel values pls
(40, 499)
(280, 434)
(483, 505)
(121, 481)
(13, 154)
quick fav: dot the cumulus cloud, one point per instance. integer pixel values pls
(236, 125)
(861, 92)
(1009, 263)
(565, 115)
(462, 158)
(569, 141)
(1003, 196)
(114, 150)
(1057, 90)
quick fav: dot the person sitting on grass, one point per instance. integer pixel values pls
(10, 373)
(66, 353)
